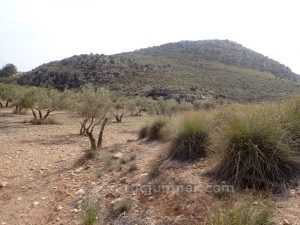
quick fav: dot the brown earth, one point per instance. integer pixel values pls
(49, 183)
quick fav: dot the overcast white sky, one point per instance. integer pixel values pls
(33, 32)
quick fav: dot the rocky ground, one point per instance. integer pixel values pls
(44, 178)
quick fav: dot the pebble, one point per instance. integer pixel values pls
(36, 203)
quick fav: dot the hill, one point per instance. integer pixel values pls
(186, 69)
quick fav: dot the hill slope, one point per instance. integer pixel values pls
(187, 69)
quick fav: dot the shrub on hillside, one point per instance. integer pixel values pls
(253, 151)
(192, 139)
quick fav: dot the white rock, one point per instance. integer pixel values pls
(36, 203)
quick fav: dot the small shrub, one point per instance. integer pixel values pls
(143, 132)
(90, 212)
(245, 214)
(192, 139)
(154, 132)
(253, 153)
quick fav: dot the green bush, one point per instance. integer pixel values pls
(192, 139)
(253, 152)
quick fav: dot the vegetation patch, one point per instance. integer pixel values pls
(250, 140)
(243, 214)
(155, 128)
(192, 139)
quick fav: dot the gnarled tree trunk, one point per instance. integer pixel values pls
(99, 144)
(92, 139)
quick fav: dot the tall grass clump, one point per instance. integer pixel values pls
(90, 212)
(243, 214)
(291, 120)
(155, 130)
(250, 139)
(191, 141)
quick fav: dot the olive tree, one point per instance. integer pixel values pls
(94, 108)
(7, 94)
(43, 102)
(119, 110)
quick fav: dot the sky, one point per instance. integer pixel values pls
(34, 32)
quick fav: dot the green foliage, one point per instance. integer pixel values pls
(191, 141)
(243, 214)
(253, 148)
(93, 102)
(90, 212)
(8, 70)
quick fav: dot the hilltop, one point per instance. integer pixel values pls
(186, 69)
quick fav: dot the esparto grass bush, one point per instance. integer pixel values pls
(254, 153)
(191, 140)
(243, 214)
(291, 120)
(154, 131)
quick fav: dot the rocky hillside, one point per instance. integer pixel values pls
(227, 52)
(187, 69)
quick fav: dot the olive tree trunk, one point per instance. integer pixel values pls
(100, 138)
